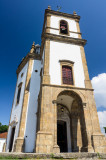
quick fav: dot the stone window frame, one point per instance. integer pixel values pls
(19, 86)
(69, 64)
(68, 33)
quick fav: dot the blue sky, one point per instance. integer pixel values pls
(21, 23)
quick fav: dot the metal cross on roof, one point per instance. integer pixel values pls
(59, 8)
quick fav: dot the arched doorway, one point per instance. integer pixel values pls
(71, 129)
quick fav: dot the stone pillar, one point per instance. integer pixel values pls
(93, 112)
(84, 62)
(78, 28)
(88, 128)
(44, 140)
(19, 143)
(48, 20)
(56, 148)
(46, 76)
(79, 137)
(99, 143)
(98, 139)
(4, 147)
(76, 133)
(90, 147)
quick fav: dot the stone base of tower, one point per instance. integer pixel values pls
(99, 143)
(44, 142)
(87, 149)
(19, 145)
(56, 149)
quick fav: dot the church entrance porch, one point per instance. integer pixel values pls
(63, 124)
(66, 113)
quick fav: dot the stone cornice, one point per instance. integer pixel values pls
(57, 29)
(62, 38)
(66, 15)
(67, 87)
(67, 61)
(26, 59)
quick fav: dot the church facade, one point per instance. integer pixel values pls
(54, 108)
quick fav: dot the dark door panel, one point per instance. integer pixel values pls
(62, 136)
(12, 139)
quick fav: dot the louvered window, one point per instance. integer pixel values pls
(67, 75)
(63, 27)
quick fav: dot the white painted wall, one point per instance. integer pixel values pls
(16, 110)
(30, 133)
(2, 141)
(31, 119)
(55, 23)
(64, 51)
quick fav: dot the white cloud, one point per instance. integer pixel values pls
(99, 85)
(102, 120)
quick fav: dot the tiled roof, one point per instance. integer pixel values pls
(3, 135)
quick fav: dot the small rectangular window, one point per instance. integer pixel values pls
(19, 93)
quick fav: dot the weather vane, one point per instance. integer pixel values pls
(58, 8)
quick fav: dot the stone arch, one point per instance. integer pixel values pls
(76, 92)
(74, 102)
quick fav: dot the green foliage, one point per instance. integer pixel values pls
(3, 128)
(12, 157)
(98, 155)
(8, 157)
(105, 129)
(51, 155)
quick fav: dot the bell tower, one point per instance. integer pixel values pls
(67, 116)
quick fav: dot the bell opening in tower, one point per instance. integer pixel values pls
(63, 27)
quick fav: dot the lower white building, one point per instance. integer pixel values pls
(3, 137)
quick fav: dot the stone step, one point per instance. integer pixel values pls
(76, 156)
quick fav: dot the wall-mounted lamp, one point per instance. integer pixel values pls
(62, 109)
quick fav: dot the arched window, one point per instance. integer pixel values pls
(19, 92)
(67, 76)
(63, 27)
